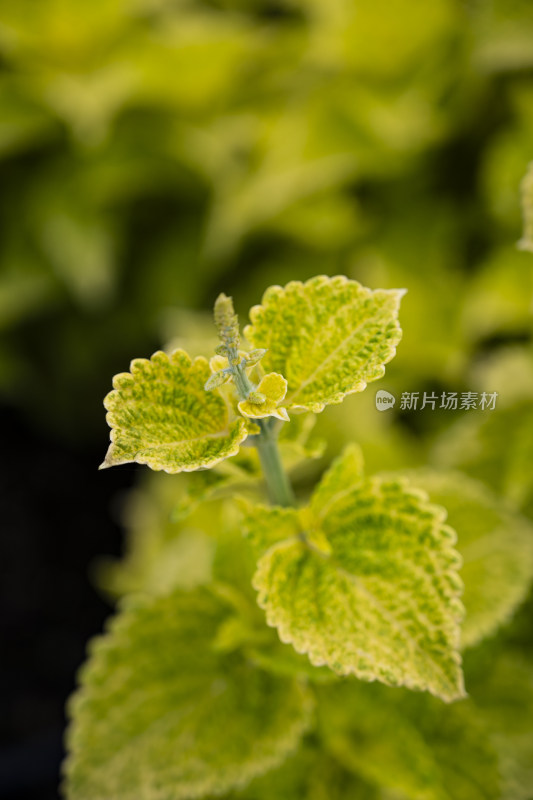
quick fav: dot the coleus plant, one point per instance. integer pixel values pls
(190, 694)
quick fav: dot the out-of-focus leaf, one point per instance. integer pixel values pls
(181, 531)
(505, 158)
(81, 251)
(311, 774)
(23, 291)
(164, 550)
(23, 122)
(499, 299)
(161, 710)
(526, 242)
(88, 102)
(495, 448)
(193, 60)
(502, 31)
(265, 526)
(383, 39)
(496, 546)
(297, 441)
(502, 690)
(507, 370)
(409, 745)
(282, 659)
(61, 34)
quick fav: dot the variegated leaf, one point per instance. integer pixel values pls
(163, 714)
(409, 745)
(161, 415)
(368, 584)
(328, 337)
(496, 546)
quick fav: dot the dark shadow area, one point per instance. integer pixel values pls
(56, 511)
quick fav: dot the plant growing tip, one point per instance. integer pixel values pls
(227, 325)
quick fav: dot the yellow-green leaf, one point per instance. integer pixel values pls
(297, 443)
(310, 774)
(164, 715)
(383, 603)
(273, 388)
(526, 242)
(494, 448)
(409, 744)
(329, 337)
(347, 471)
(265, 526)
(496, 546)
(503, 693)
(161, 415)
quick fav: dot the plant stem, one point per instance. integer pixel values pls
(278, 484)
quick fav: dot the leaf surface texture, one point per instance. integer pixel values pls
(160, 415)
(367, 583)
(163, 715)
(328, 337)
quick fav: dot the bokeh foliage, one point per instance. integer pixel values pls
(154, 152)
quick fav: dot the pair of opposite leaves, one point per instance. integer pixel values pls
(324, 339)
(364, 580)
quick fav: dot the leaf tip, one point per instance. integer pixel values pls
(108, 460)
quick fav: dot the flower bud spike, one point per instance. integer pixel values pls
(227, 323)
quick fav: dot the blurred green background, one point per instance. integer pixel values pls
(156, 152)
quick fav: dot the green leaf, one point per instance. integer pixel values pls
(310, 774)
(496, 449)
(519, 479)
(163, 714)
(384, 603)
(496, 546)
(265, 526)
(297, 443)
(273, 387)
(496, 301)
(329, 337)
(161, 415)
(526, 242)
(273, 656)
(407, 744)
(347, 471)
(169, 540)
(502, 689)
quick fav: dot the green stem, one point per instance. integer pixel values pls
(266, 442)
(278, 484)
